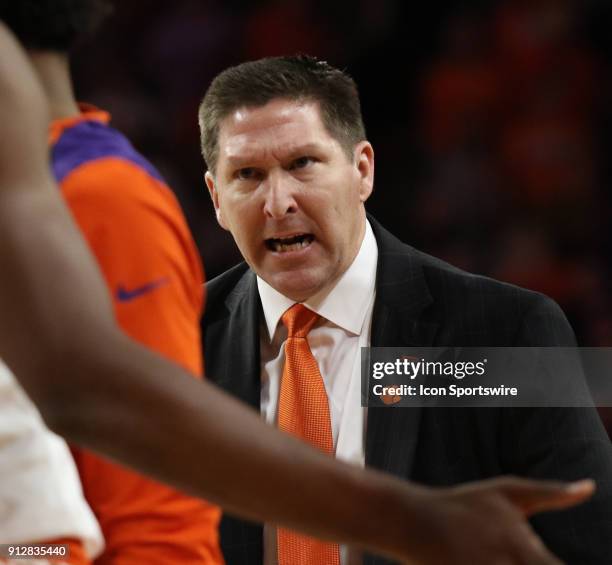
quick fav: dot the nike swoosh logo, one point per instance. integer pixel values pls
(127, 295)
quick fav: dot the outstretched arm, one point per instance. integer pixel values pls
(100, 389)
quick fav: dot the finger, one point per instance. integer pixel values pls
(541, 556)
(538, 496)
(531, 550)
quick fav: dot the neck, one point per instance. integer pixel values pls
(53, 70)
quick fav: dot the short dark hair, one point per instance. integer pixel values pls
(300, 77)
(53, 25)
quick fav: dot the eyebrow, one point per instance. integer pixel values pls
(294, 152)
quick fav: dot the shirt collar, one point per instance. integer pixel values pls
(345, 305)
(89, 113)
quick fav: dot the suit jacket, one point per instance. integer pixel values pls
(421, 302)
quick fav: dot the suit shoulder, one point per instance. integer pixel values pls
(445, 282)
(476, 302)
(443, 277)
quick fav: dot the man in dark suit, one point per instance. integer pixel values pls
(289, 171)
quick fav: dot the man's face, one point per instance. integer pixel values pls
(290, 196)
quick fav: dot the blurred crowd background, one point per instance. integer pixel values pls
(491, 122)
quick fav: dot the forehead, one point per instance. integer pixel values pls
(281, 126)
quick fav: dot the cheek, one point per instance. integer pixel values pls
(236, 211)
(245, 224)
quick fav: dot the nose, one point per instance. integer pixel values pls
(279, 198)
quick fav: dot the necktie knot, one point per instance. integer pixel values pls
(299, 320)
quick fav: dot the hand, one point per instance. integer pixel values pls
(485, 523)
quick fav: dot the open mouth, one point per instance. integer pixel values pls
(293, 243)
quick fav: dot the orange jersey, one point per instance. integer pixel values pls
(135, 228)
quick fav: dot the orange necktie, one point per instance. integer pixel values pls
(303, 411)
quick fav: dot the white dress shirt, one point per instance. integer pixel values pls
(40, 493)
(336, 341)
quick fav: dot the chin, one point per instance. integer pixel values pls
(297, 286)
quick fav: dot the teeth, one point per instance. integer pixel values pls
(282, 247)
(293, 243)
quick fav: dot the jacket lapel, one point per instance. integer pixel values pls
(402, 295)
(234, 333)
(237, 334)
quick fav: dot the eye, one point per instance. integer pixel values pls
(247, 173)
(302, 162)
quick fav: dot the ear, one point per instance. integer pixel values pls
(364, 162)
(214, 195)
